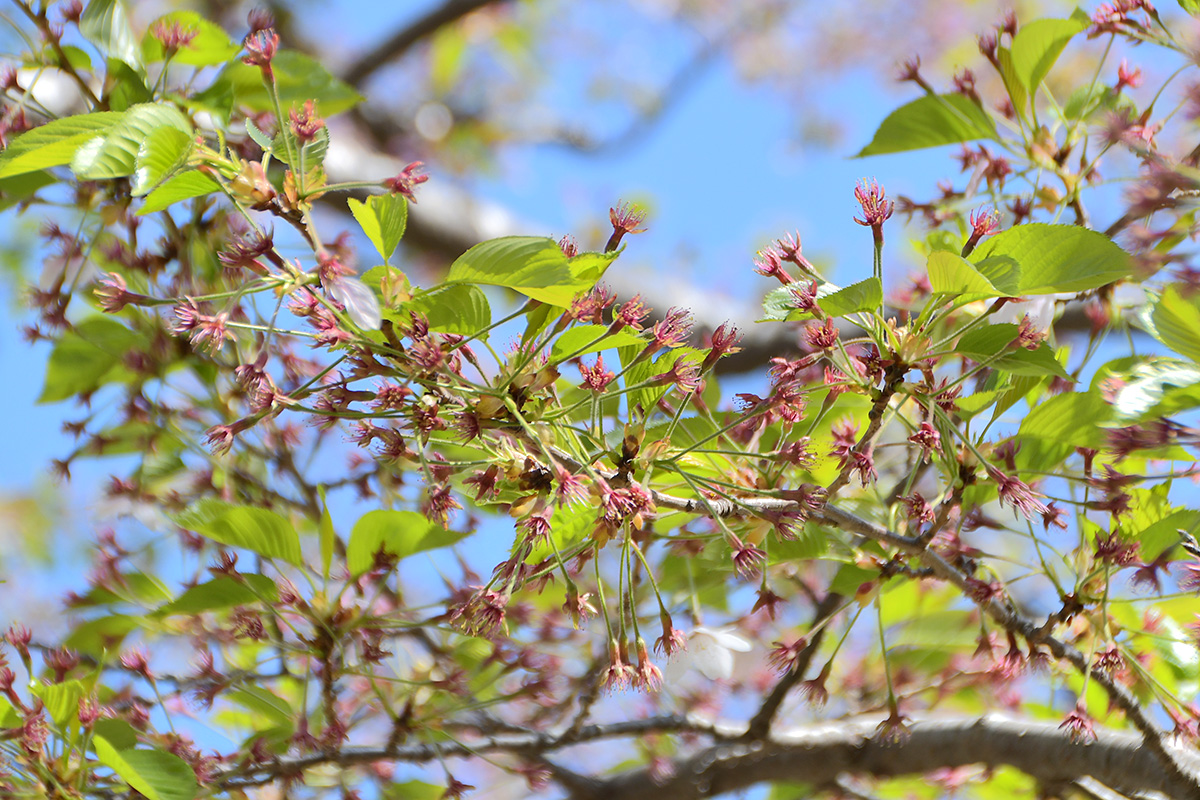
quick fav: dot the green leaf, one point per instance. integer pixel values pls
(128, 86)
(930, 121)
(399, 533)
(84, 357)
(105, 23)
(1073, 418)
(264, 703)
(20, 188)
(531, 265)
(983, 343)
(327, 534)
(54, 143)
(862, 296)
(96, 636)
(811, 541)
(590, 267)
(210, 46)
(162, 153)
(453, 308)
(183, 186)
(835, 301)
(950, 273)
(584, 339)
(154, 773)
(312, 153)
(220, 593)
(1037, 46)
(119, 733)
(1176, 320)
(1190, 6)
(259, 137)
(9, 718)
(297, 77)
(115, 154)
(259, 530)
(1047, 259)
(413, 790)
(1018, 93)
(383, 218)
(61, 699)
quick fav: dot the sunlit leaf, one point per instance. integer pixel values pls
(452, 308)
(183, 186)
(115, 153)
(1176, 319)
(531, 265)
(54, 143)
(931, 121)
(950, 273)
(1072, 418)
(584, 339)
(259, 530)
(297, 77)
(105, 23)
(210, 45)
(1048, 259)
(399, 534)
(156, 774)
(1037, 46)
(383, 218)
(160, 154)
(994, 344)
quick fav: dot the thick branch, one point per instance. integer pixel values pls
(819, 754)
(399, 42)
(816, 754)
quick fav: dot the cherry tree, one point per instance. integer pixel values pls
(503, 533)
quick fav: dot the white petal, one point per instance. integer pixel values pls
(361, 304)
(710, 658)
(730, 640)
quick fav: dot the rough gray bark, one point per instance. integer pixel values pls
(819, 754)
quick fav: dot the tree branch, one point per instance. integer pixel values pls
(819, 754)
(399, 42)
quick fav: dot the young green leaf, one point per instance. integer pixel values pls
(1071, 418)
(931, 121)
(297, 77)
(584, 339)
(55, 143)
(950, 273)
(160, 154)
(105, 23)
(210, 45)
(531, 265)
(115, 154)
(259, 530)
(865, 295)
(61, 699)
(399, 534)
(383, 218)
(183, 186)
(1048, 259)
(220, 593)
(1037, 46)
(452, 308)
(1176, 320)
(989, 341)
(156, 774)
(84, 357)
